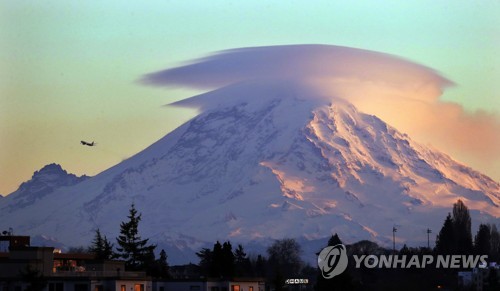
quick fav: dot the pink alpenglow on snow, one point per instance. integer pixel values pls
(402, 93)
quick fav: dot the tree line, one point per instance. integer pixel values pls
(283, 260)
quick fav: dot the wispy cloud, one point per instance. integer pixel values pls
(403, 93)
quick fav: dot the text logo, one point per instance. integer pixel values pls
(332, 261)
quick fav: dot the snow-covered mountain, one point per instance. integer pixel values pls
(263, 160)
(43, 182)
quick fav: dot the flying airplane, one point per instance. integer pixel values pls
(90, 144)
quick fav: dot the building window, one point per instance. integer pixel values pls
(139, 287)
(235, 288)
(98, 288)
(250, 288)
(123, 288)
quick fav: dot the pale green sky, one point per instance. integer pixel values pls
(69, 69)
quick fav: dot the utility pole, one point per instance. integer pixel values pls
(394, 229)
(429, 231)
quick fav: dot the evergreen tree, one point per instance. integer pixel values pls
(462, 228)
(260, 266)
(494, 244)
(160, 268)
(205, 263)
(339, 282)
(101, 247)
(334, 240)
(107, 251)
(242, 264)
(404, 250)
(482, 241)
(219, 262)
(227, 260)
(163, 264)
(216, 263)
(445, 240)
(133, 249)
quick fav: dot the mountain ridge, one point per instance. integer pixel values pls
(43, 182)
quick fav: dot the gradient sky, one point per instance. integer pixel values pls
(69, 70)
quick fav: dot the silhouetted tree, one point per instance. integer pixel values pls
(242, 265)
(482, 240)
(260, 266)
(205, 263)
(284, 260)
(218, 262)
(101, 247)
(160, 268)
(334, 240)
(404, 250)
(227, 260)
(133, 249)
(445, 240)
(494, 244)
(339, 282)
(164, 264)
(462, 228)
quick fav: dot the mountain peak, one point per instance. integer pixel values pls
(50, 168)
(43, 182)
(52, 175)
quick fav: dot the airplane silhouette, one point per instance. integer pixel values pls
(90, 144)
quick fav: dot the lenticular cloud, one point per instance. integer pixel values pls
(401, 92)
(299, 62)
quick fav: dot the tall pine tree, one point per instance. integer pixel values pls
(102, 247)
(242, 264)
(160, 268)
(482, 241)
(494, 244)
(227, 258)
(445, 240)
(132, 248)
(462, 228)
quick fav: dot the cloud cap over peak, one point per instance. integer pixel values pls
(401, 92)
(303, 62)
